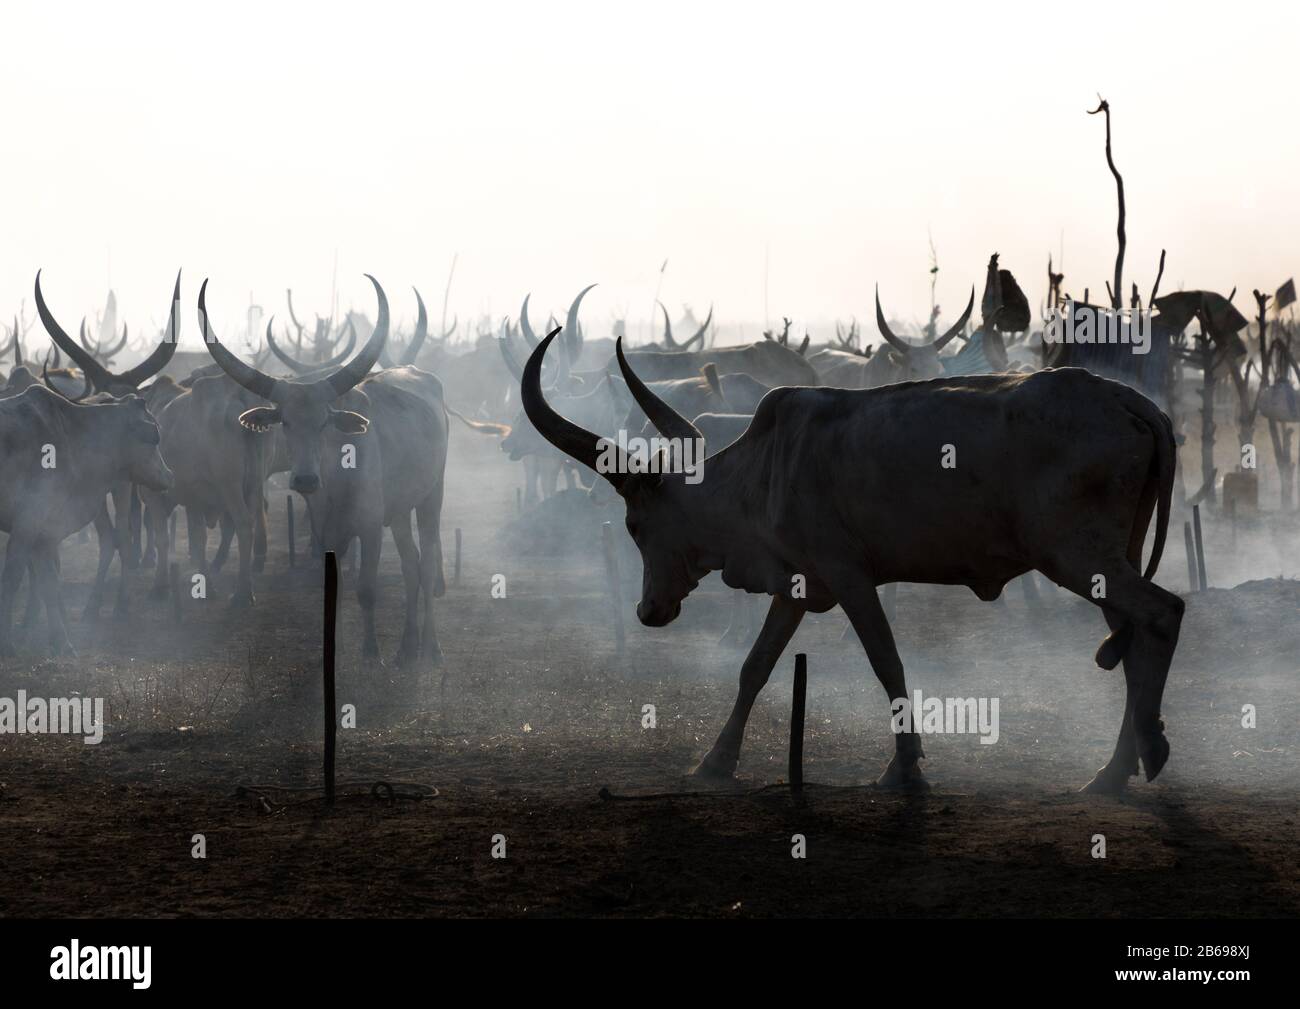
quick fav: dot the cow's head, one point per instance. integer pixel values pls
(141, 438)
(658, 518)
(919, 361)
(304, 410)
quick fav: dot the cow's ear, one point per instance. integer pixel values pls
(260, 419)
(349, 422)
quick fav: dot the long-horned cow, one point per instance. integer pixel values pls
(362, 464)
(59, 459)
(1058, 471)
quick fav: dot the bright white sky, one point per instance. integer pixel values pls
(555, 144)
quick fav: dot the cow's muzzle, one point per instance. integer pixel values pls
(305, 483)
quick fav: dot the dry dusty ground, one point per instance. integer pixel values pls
(534, 712)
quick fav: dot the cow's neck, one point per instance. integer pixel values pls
(720, 535)
(99, 443)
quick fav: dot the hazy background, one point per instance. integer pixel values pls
(553, 145)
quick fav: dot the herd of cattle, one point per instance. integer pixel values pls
(832, 470)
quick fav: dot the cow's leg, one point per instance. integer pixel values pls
(242, 523)
(368, 589)
(16, 562)
(783, 618)
(197, 532)
(409, 649)
(428, 516)
(47, 576)
(159, 515)
(1145, 621)
(32, 612)
(105, 535)
(149, 558)
(259, 531)
(123, 495)
(867, 615)
(137, 522)
(228, 527)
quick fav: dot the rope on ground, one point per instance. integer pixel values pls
(266, 798)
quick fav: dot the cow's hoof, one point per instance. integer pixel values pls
(433, 654)
(1154, 751)
(715, 768)
(900, 777)
(1107, 782)
(243, 600)
(62, 648)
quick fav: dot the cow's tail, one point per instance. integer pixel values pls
(481, 426)
(1161, 480)
(1163, 472)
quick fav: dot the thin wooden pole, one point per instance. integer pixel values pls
(331, 713)
(1192, 584)
(288, 507)
(797, 708)
(519, 501)
(1200, 547)
(456, 569)
(615, 588)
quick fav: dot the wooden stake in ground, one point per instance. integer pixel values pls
(797, 707)
(1200, 547)
(456, 569)
(331, 711)
(611, 576)
(1192, 583)
(288, 507)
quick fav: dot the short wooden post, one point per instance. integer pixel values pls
(1191, 557)
(1200, 547)
(174, 574)
(456, 570)
(331, 711)
(615, 588)
(288, 507)
(797, 707)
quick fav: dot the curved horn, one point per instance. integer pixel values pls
(886, 332)
(699, 333)
(670, 423)
(359, 367)
(81, 335)
(569, 438)
(669, 342)
(421, 331)
(85, 391)
(256, 382)
(162, 354)
(108, 354)
(961, 323)
(301, 367)
(18, 345)
(572, 331)
(95, 371)
(448, 333)
(511, 364)
(530, 337)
